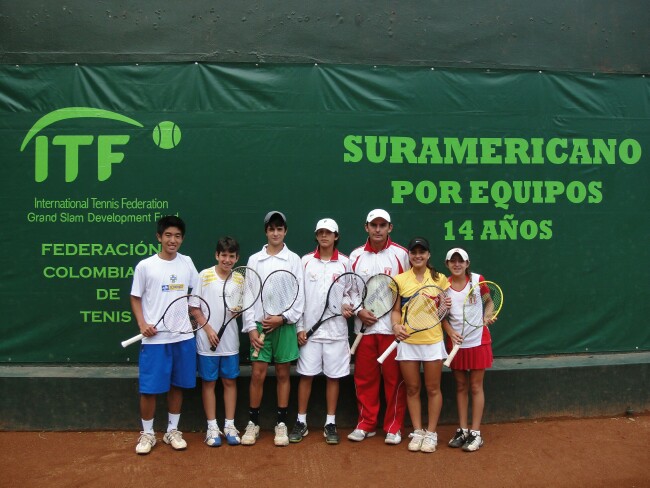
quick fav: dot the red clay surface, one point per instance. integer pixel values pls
(603, 452)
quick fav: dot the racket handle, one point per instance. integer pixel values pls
(386, 353)
(452, 354)
(256, 353)
(132, 340)
(356, 342)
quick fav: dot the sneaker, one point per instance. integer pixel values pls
(358, 435)
(473, 443)
(232, 435)
(298, 432)
(430, 442)
(175, 439)
(416, 440)
(145, 443)
(331, 435)
(459, 438)
(251, 434)
(213, 437)
(393, 439)
(281, 437)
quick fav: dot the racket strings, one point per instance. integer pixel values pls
(381, 294)
(279, 292)
(347, 289)
(483, 304)
(426, 310)
(183, 316)
(242, 289)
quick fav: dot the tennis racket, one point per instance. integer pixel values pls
(481, 307)
(381, 294)
(424, 310)
(185, 315)
(347, 289)
(240, 292)
(279, 292)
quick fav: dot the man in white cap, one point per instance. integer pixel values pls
(378, 255)
(327, 350)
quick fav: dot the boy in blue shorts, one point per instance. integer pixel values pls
(167, 362)
(281, 344)
(224, 360)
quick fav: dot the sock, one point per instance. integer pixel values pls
(172, 424)
(147, 426)
(213, 423)
(331, 419)
(282, 414)
(229, 423)
(465, 431)
(254, 415)
(302, 417)
(475, 432)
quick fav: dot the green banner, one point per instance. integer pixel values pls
(540, 176)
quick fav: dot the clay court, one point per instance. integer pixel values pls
(601, 452)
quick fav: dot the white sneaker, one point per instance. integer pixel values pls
(416, 440)
(393, 439)
(145, 443)
(232, 435)
(213, 437)
(358, 435)
(175, 439)
(251, 434)
(281, 437)
(430, 442)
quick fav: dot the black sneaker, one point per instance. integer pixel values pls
(459, 438)
(331, 435)
(473, 443)
(298, 432)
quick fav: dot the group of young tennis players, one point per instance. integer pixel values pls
(168, 362)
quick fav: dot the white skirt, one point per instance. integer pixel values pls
(421, 352)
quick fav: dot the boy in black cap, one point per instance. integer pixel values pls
(281, 346)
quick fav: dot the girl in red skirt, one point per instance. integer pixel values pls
(474, 355)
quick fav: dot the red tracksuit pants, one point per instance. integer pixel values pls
(368, 374)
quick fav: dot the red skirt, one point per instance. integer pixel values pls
(479, 357)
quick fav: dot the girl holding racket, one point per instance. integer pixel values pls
(474, 355)
(425, 348)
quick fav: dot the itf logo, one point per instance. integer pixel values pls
(166, 135)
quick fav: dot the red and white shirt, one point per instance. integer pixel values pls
(392, 260)
(318, 275)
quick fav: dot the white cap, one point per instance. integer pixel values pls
(329, 224)
(457, 250)
(378, 213)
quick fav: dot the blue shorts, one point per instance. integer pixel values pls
(211, 368)
(165, 365)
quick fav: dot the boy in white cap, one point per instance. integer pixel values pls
(378, 255)
(280, 345)
(328, 350)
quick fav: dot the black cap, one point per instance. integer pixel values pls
(419, 241)
(272, 213)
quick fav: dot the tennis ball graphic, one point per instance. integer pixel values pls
(166, 135)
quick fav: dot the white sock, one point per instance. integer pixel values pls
(172, 423)
(331, 419)
(147, 426)
(475, 432)
(229, 423)
(302, 417)
(213, 423)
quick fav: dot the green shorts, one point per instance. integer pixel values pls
(280, 346)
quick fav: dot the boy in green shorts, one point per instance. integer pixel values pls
(281, 344)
